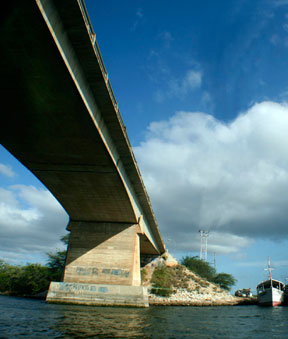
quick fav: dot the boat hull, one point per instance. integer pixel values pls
(271, 297)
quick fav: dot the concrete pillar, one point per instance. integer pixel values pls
(102, 266)
(103, 253)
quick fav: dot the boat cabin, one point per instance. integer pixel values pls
(264, 285)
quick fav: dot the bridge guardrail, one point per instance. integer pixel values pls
(86, 17)
(101, 62)
(105, 75)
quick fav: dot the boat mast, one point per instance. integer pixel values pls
(269, 269)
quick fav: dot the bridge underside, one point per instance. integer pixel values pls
(46, 126)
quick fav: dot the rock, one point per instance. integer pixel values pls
(169, 259)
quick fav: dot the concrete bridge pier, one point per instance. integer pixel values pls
(102, 266)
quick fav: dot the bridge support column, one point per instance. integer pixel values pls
(102, 266)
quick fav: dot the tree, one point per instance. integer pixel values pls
(65, 238)
(30, 279)
(200, 267)
(56, 261)
(206, 271)
(225, 280)
(56, 264)
(23, 280)
(5, 276)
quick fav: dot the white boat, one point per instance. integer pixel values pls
(270, 292)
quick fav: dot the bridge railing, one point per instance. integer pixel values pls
(107, 81)
(87, 19)
(101, 62)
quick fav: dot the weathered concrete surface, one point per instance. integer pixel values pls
(103, 253)
(97, 294)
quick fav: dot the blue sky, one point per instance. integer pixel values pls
(202, 87)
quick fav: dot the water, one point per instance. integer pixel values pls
(26, 318)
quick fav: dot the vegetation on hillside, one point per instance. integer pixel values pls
(162, 281)
(165, 280)
(205, 270)
(200, 267)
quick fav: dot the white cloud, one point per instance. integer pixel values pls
(31, 223)
(180, 87)
(191, 81)
(229, 178)
(6, 170)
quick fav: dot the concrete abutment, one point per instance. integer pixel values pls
(102, 266)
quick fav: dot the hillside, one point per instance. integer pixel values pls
(187, 287)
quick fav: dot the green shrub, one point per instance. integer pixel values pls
(162, 281)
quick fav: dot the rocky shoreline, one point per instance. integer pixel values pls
(233, 301)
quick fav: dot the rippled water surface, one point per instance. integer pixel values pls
(35, 319)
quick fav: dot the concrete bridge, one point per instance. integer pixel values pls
(59, 118)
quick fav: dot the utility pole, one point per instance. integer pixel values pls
(201, 243)
(206, 234)
(215, 261)
(203, 235)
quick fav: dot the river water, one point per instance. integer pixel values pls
(28, 318)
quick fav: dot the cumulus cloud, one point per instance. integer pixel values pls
(6, 170)
(31, 223)
(229, 178)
